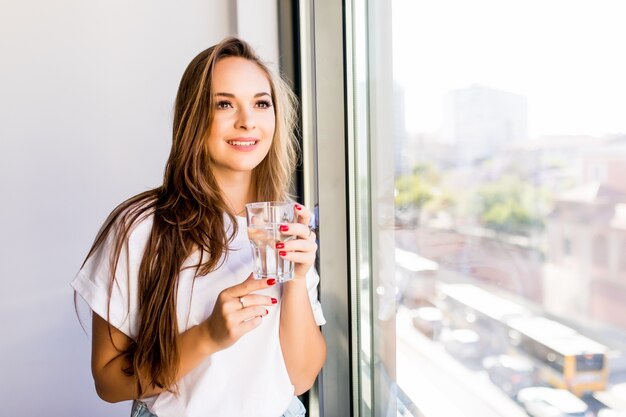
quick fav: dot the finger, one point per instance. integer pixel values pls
(298, 245)
(257, 220)
(299, 257)
(248, 313)
(246, 326)
(248, 286)
(303, 215)
(300, 230)
(251, 300)
(257, 234)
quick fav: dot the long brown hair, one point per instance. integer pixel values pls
(188, 210)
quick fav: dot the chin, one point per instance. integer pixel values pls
(246, 167)
(240, 164)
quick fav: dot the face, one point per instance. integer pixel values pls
(243, 127)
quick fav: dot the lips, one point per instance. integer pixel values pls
(243, 144)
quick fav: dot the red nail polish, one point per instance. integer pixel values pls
(298, 207)
(280, 245)
(271, 281)
(283, 227)
(282, 253)
(267, 312)
(274, 301)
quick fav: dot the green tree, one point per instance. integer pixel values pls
(412, 191)
(511, 205)
(415, 190)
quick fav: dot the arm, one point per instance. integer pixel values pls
(226, 324)
(107, 362)
(302, 342)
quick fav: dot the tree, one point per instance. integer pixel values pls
(510, 205)
(413, 191)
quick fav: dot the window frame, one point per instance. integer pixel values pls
(324, 132)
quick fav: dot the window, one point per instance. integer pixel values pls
(473, 129)
(567, 246)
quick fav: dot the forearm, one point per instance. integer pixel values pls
(302, 342)
(113, 385)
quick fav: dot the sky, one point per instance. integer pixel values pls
(567, 57)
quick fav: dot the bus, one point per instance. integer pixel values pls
(486, 313)
(564, 357)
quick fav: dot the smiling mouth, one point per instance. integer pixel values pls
(242, 142)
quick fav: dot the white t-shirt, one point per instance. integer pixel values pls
(248, 379)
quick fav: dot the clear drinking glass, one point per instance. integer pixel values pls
(264, 220)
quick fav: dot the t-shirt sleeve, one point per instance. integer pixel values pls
(312, 283)
(114, 296)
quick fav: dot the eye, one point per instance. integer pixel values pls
(223, 104)
(264, 104)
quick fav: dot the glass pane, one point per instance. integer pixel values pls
(493, 206)
(362, 210)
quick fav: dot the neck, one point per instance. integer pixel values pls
(237, 190)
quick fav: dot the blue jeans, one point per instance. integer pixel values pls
(296, 409)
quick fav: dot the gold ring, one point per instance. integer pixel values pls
(241, 302)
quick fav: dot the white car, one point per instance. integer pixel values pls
(607, 412)
(428, 320)
(552, 402)
(510, 373)
(461, 343)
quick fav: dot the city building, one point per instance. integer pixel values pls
(481, 121)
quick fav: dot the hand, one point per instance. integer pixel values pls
(301, 251)
(237, 311)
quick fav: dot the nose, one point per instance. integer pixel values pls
(245, 119)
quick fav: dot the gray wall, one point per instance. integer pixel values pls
(86, 96)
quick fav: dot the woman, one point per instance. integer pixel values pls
(179, 324)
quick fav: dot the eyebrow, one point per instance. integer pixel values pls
(233, 96)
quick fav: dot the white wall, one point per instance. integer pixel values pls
(257, 22)
(86, 97)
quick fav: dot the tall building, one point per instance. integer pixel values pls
(585, 269)
(481, 121)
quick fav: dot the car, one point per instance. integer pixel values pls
(608, 412)
(428, 320)
(510, 373)
(552, 402)
(463, 344)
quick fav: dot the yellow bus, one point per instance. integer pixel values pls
(566, 359)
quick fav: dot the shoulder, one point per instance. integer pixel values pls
(134, 217)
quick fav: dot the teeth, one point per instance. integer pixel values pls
(238, 143)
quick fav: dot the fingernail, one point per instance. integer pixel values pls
(282, 253)
(280, 245)
(283, 228)
(298, 207)
(274, 301)
(266, 312)
(271, 281)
